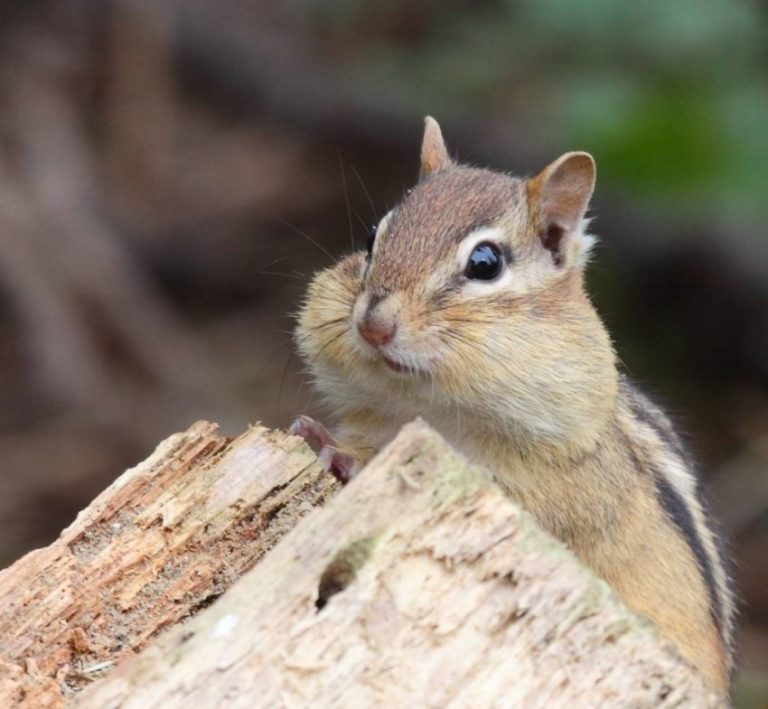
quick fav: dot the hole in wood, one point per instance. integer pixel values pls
(342, 570)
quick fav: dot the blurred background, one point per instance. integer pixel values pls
(172, 173)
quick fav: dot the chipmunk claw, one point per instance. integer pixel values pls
(341, 465)
(313, 432)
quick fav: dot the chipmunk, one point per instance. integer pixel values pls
(468, 309)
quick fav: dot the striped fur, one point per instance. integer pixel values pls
(520, 374)
(680, 496)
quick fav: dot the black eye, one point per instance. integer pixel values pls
(485, 262)
(371, 239)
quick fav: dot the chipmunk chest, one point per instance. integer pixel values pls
(383, 417)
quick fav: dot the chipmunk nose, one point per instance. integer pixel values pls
(376, 333)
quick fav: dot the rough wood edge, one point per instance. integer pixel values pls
(161, 542)
(438, 591)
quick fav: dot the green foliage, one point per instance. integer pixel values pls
(671, 97)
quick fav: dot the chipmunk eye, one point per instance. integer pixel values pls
(485, 262)
(371, 239)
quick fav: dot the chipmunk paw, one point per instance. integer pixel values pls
(341, 465)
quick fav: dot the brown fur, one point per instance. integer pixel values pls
(446, 206)
(521, 376)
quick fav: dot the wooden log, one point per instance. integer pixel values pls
(419, 584)
(164, 540)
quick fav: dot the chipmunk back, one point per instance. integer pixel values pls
(469, 309)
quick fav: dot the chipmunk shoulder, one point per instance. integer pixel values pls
(469, 309)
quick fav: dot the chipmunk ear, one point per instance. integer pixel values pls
(560, 195)
(434, 154)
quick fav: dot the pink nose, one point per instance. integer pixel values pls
(376, 334)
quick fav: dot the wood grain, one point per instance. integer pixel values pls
(419, 584)
(162, 542)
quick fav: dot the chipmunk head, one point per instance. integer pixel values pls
(469, 294)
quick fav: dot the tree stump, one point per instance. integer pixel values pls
(418, 584)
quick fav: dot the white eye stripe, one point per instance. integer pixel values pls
(381, 230)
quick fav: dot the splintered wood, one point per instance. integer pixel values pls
(419, 584)
(164, 540)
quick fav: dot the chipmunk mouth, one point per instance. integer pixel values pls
(396, 366)
(402, 368)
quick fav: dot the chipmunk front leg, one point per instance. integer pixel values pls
(337, 459)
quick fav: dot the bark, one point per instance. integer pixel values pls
(419, 584)
(164, 540)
